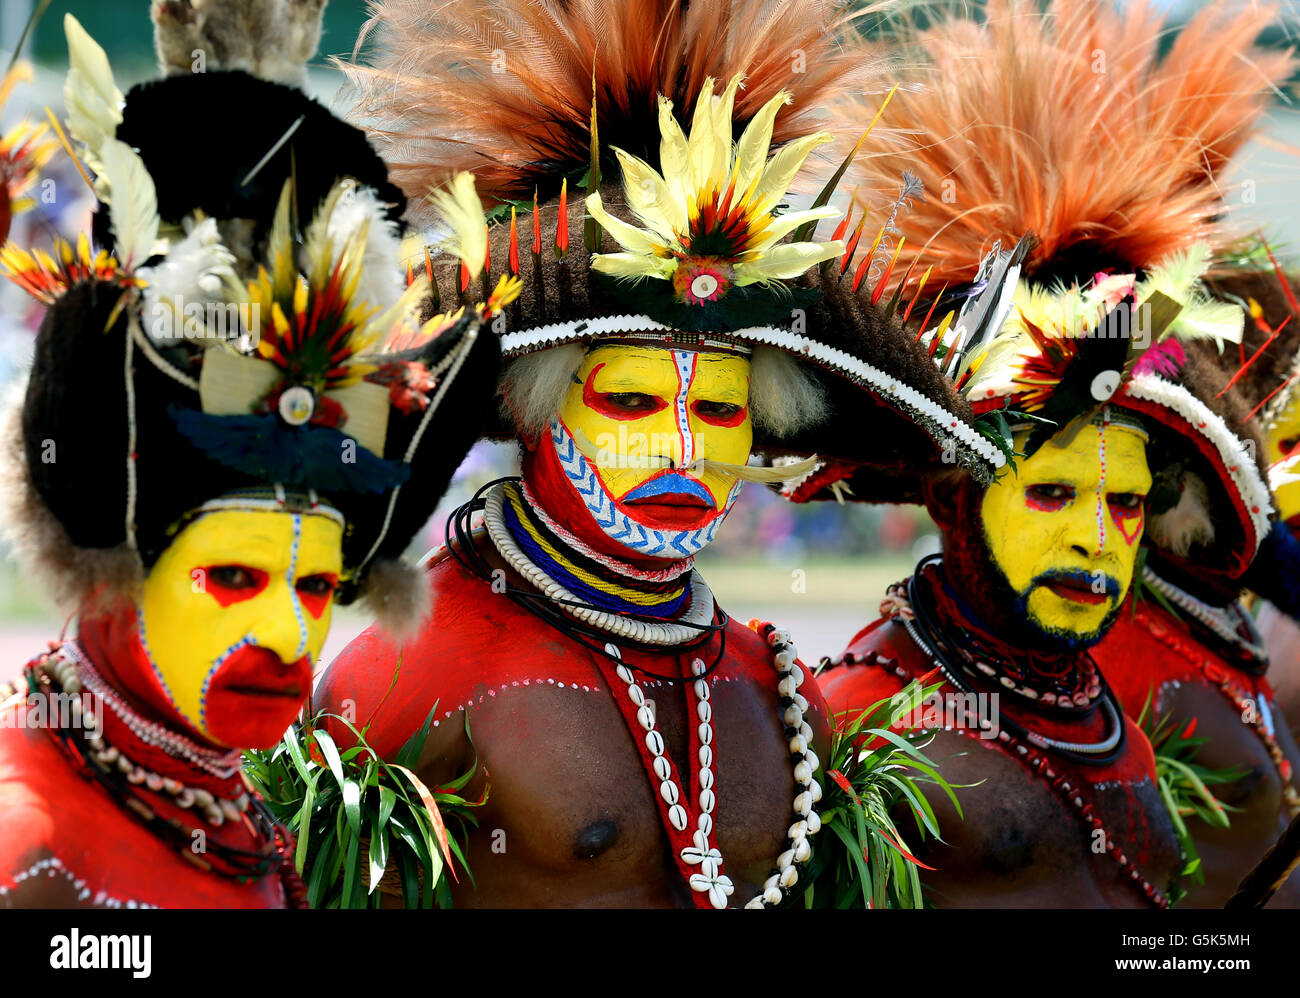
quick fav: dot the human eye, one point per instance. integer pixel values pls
(316, 585)
(1128, 502)
(1048, 495)
(718, 412)
(236, 577)
(631, 401)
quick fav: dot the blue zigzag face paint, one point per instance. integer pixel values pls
(629, 430)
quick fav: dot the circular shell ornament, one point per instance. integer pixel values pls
(297, 405)
(702, 279)
(1104, 385)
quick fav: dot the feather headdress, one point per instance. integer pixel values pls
(505, 88)
(24, 150)
(1071, 124)
(686, 124)
(320, 389)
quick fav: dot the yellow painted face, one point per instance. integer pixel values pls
(1064, 527)
(635, 419)
(234, 613)
(1284, 442)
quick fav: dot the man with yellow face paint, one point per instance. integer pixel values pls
(1186, 648)
(1064, 525)
(1024, 603)
(1034, 573)
(644, 749)
(202, 497)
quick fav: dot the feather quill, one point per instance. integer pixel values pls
(94, 103)
(134, 201)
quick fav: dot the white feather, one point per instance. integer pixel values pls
(134, 201)
(198, 269)
(94, 103)
(382, 281)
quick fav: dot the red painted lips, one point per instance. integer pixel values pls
(1076, 591)
(254, 696)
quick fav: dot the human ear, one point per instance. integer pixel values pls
(943, 497)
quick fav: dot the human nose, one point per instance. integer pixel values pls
(666, 440)
(1084, 529)
(282, 628)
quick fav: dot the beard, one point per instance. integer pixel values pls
(972, 571)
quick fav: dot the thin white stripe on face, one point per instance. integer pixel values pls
(291, 579)
(685, 361)
(1101, 485)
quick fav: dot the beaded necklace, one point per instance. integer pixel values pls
(1062, 682)
(655, 633)
(613, 587)
(1031, 749)
(698, 860)
(686, 808)
(66, 671)
(1230, 627)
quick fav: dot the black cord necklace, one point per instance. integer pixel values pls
(459, 540)
(929, 637)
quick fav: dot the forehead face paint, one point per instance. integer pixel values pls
(634, 418)
(1063, 526)
(233, 615)
(1283, 445)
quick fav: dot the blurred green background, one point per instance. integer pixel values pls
(818, 570)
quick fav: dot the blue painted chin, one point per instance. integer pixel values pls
(669, 483)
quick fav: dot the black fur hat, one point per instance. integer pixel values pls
(322, 390)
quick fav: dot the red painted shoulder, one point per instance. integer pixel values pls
(1146, 650)
(868, 673)
(64, 828)
(474, 641)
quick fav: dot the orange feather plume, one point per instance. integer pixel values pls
(504, 88)
(1068, 124)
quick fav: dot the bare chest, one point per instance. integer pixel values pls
(1024, 843)
(574, 816)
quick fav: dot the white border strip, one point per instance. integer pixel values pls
(1233, 453)
(543, 337)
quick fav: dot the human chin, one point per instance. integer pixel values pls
(662, 527)
(1065, 609)
(253, 696)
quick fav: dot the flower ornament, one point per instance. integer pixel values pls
(324, 357)
(24, 149)
(709, 221)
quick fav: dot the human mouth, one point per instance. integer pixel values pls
(1077, 591)
(262, 674)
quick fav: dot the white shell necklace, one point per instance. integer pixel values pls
(662, 633)
(697, 858)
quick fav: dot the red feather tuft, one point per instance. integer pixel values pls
(1068, 123)
(504, 88)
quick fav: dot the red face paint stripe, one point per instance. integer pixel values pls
(598, 401)
(227, 595)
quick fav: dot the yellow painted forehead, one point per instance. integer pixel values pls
(626, 368)
(1077, 459)
(265, 539)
